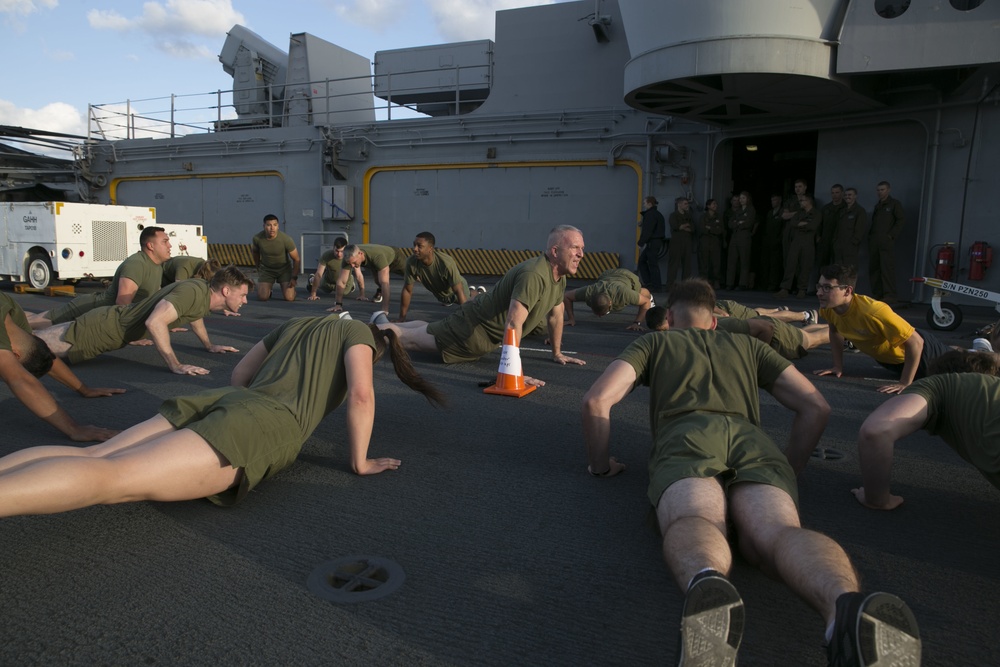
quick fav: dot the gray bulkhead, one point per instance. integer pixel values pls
(534, 130)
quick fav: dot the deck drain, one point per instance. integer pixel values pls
(356, 579)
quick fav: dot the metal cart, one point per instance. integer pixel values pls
(946, 316)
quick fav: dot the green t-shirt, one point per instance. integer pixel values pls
(291, 376)
(180, 268)
(334, 265)
(694, 370)
(621, 285)
(377, 257)
(439, 277)
(964, 409)
(484, 318)
(273, 252)
(114, 327)
(139, 268)
(10, 307)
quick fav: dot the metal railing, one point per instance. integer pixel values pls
(179, 115)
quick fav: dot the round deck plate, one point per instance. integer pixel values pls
(356, 579)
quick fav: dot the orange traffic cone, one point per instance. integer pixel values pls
(510, 377)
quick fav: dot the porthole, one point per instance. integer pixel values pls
(890, 9)
(965, 5)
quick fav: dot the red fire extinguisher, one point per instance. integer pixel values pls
(945, 262)
(980, 258)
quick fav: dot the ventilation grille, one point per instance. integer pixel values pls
(110, 241)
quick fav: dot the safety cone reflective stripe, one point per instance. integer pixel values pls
(510, 377)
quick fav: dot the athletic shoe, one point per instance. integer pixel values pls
(344, 315)
(982, 345)
(378, 317)
(878, 629)
(378, 296)
(811, 317)
(782, 307)
(312, 277)
(481, 289)
(849, 347)
(711, 622)
(652, 304)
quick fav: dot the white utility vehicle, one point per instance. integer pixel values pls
(41, 242)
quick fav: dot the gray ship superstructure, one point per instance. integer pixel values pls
(574, 113)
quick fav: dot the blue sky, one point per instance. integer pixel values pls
(63, 54)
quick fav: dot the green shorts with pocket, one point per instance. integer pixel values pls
(787, 340)
(705, 444)
(459, 341)
(254, 432)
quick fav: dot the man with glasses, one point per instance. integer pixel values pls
(873, 328)
(614, 289)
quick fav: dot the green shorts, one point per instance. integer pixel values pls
(270, 276)
(787, 340)
(735, 309)
(459, 341)
(704, 444)
(253, 431)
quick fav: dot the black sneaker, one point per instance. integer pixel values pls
(878, 629)
(811, 317)
(378, 296)
(711, 622)
(849, 347)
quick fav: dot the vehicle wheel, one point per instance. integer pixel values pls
(39, 271)
(951, 317)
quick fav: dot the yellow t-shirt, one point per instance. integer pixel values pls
(873, 327)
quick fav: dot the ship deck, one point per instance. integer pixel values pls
(512, 553)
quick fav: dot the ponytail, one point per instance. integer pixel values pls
(401, 364)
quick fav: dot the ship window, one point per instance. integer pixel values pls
(965, 5)
(890, 9)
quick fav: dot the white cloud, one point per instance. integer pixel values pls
(173, 23)
(182, 48)
(25, 7)
(55, 117)
(463, 20)
(376, 14)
